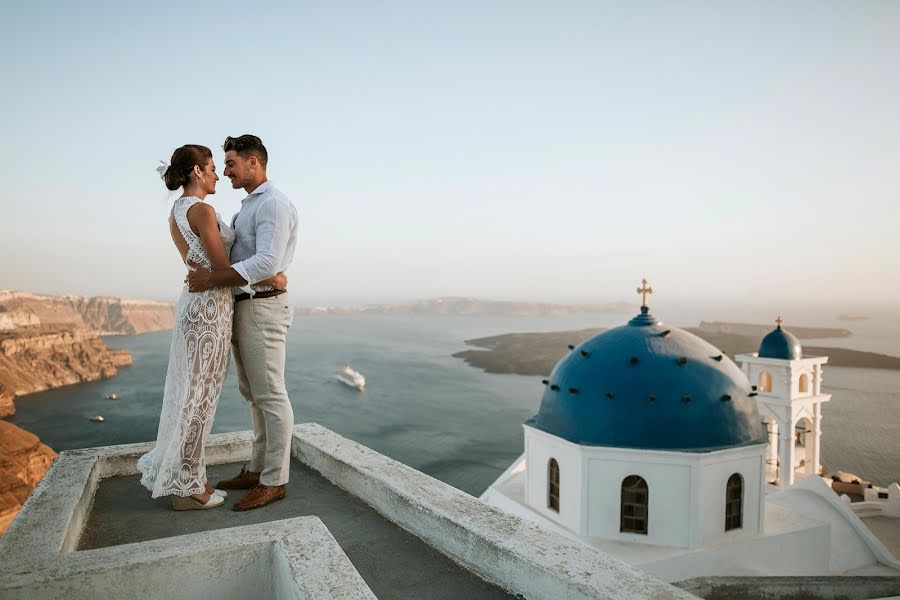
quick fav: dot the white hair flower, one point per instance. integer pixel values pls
(162, 168)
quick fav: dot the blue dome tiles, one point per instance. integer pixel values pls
(646, 386)
(782, 344)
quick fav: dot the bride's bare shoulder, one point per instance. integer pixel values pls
(201, 213)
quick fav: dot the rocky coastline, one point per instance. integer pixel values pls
(43, 357)
(48, 342)
(23, 462)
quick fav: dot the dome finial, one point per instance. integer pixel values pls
(645, 291)
(779, 321)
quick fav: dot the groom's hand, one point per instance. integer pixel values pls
(279, 281)
(198, 278)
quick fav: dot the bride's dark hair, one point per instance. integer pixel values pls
(182, 163)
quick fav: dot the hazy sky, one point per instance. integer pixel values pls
(560, 151)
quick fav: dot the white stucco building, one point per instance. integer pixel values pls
(652, 445)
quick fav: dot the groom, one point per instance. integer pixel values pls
(265, 238)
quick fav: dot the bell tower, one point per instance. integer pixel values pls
(788, 388)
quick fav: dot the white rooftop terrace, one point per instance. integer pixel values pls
(355, 524)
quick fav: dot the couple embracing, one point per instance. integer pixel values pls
(235, 298)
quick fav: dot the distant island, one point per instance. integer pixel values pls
(456, 306)
(538, 353)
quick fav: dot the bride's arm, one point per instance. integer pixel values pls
(203, 220)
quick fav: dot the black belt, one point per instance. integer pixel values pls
(258, 295)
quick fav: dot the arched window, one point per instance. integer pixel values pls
(635, 501)
(765, 382)
(734, 500)
(553, 488)
(804, 384)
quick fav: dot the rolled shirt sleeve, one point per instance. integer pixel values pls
(273, 229)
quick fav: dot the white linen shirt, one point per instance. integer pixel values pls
(265, 237)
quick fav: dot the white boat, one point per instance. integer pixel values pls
(97, 418)
(112, 397)
(348, 376)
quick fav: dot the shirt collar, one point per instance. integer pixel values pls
(262, 188)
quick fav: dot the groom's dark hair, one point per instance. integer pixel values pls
(247, 145)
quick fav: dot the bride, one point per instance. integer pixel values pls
(200, 341)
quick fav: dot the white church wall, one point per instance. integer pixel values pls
(716, 468)
(800, 552)
(668, 476)
(540, 447)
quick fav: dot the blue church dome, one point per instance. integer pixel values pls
(779, 343)
(645, 385)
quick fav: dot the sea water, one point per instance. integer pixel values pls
(421, 406)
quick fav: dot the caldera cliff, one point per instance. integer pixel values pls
(51, 341)
(42, 357)
(23, 462)
(102, 314)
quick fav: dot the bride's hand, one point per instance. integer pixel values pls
(198, 279)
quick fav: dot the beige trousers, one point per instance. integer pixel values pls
(258, 344)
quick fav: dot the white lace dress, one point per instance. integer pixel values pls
(198, 358)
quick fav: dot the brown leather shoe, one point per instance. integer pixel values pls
(259, 496)
(244, 481)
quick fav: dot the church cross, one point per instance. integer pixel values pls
(780, 321)
(645, 291)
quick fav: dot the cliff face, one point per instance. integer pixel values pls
(51, 341)
(7, 408)
(23, 462)
(33, 359)
(123, 316)
(102, 314)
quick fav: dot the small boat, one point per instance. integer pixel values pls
(112, 396)
(348, 376)
(97, 419)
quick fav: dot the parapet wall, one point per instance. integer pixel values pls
(516, 554)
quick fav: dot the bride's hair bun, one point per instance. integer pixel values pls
(182, 163)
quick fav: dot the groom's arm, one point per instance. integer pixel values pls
(273, 230)
(200, 280)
